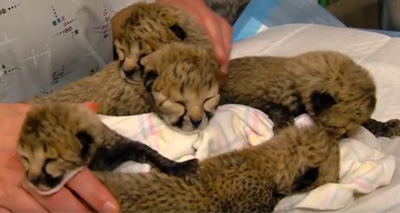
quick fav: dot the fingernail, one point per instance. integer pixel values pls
(109, 207)
(224, 70)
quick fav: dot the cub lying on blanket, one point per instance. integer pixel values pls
(329, 86)
(57, 140)
(250, 180)
(179, 83)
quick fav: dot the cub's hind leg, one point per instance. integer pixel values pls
(390, 128)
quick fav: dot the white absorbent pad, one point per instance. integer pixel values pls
(365, 162)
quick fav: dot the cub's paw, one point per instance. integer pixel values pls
(182, 169)
(281, 125)
(392, 128)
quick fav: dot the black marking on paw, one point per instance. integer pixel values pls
(299, 107)
(182, 169)
(178, 31)
(321, 101)
(86, 140)
(306, 179)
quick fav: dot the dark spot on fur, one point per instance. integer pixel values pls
(33, 125)
(86, 140)
(321, 101)
(149, 79)
(209, 115)
(178, 31)
(305, 180)
(372, 103)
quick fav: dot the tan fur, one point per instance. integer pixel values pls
(283, 87)
(58, 138)
(185, 91)
(148, 28)
(249, 180)
(185, 88)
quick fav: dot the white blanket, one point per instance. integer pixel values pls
(367, 163)
(363, 166)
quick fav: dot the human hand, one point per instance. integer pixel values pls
(218, 29)
(17, 196)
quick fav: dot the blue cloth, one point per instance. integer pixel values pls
(278, 12)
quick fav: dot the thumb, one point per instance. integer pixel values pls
(91, 105)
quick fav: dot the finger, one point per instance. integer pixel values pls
(215, 33)
(93, 192)
(21, 201)
(61, 201)
(4, 210)
(227, 38)
(91, 105)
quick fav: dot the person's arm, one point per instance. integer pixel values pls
(218, 29)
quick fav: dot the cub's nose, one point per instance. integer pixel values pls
(195, 123)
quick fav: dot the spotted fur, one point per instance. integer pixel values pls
(338, 93)
(149, 27)
(167, 67)
(58, 139)
(229, 9)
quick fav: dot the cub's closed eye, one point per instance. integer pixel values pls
(208, 99)
(25, 159)
(25, 162)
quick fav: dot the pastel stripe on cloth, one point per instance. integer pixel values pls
(364, 168)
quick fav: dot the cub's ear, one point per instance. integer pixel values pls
(86, 140)
(321, 101)
(119, 50)
(178, 31)
(149, 79)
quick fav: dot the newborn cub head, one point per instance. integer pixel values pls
(149, 27)
(341, 94)
(56, 141)
(182, 79)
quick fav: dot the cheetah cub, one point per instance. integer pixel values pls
(167, 67)
(149, 27)
(338, 93)
(249, 180)
(179, 85)
(58, 140)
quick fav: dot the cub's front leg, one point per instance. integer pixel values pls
(59, 139)
(390, 128)
(279, 114)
